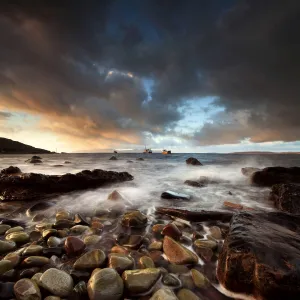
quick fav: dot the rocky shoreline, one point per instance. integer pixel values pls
(127, 253)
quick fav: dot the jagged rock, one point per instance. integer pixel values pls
(286, 197)
(261, 255)
(174, 195)
(34, 160)
(32, 186)
(194, 183)
(248, 171)
(193, 161)
(275, 175)
(115, 196)
(11, 170)
(113, 158)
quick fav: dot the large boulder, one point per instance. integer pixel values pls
(32, 186)
(261, 256)
(174, 195)
(11, 170)
(286, 197)
(193, 161)
(275, 175)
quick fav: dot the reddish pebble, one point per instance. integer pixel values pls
(74, 246)
(172, 231)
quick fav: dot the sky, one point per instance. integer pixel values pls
(187, 75)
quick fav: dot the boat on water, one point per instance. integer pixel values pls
(115, 151)
(165, 152)
(147, 150)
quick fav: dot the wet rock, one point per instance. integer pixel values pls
(48, 252)
(80, 220)
(26, 289)
(28, 273)
(14, 229)
(43, 226)
(205, 253)
(64, 223)
(62, 233)
(248, 171)
(199, 279)
(80, 275)
(32, 250)
(119, 249)
(186, 281)
(35, 261)
(4, 228)
(105, 284)
(79, 229)
(10, 222)
(140, 159)
(155, 246)
(194, 183)
(140, 281)
(185, 294)
(14, 258)
(54, 241)
(90, 260)
(193, 161)
(9, 276)
(7, 290)
(171, 280)
(264, 249)
(197, 235)
(81, 289)
(37, 278)
(174, 195)
(157, 228)
(215, 232)
(129, 241)
(11, 170)
(178, 269)
(57, 282)
(275, 175)
(178, 254)
(67, 162)
(286, 197)
(115, 196)
(164, 294)
(172, 230)
(49, 232)
(91, 239)
(120, 262)
(5, 265)
(52, 298)
(32, 186)
(146, 262)
(19, 237)
(113, 158)
(74, 246)
(40, 206)
(134, 219)
(63, 215)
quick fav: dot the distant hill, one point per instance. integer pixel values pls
(12, 147)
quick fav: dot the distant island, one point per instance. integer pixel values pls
(8, 146)
(263, 152)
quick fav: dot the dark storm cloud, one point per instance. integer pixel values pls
(82, 64)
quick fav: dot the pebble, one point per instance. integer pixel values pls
(4, 228)
(14, 258)
(52, 298)
(130, 241)
(35, 261)
(43, 226)
(90, 260)
(134, 219)
(63, 233)
(35, 236)
(105, 284)
(164, 294)
(28, 273)
(140, 281)
(14, 229)
(80, 275)
(53, 251)
(49, 232)
(157, 228)
(146, 262)
(178, 254)
(40, 206)
(80, 220)
(199, 279)
(5, 265)
(58, 282)
(32, 250)
(63, 215)
(37, 278)
(61, 224)
(54, 241)
(80, 289)
(216, 233)
(79, 229)
(74, 246)
(155, 246)
(172, 231)
(185, 294)
(20, 237)
(120, 262)
(171, 280)
(26, 289)
(178, 269)
(91, 239)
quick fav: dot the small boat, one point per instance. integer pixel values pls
(165, 152)
(147, 151)
(115, 151)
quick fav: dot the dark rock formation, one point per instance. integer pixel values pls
(261, 256)
(274, 175)
(206, 180)
(193, 161)
(10, 146)
(113, 158)
(248, 171)
(174, 195)
(11, 170)
(34, 160)
(286, 197)
(32, 186)
(194, 183)
(196, 216)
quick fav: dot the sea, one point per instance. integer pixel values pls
(158, 173)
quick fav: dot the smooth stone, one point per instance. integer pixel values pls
(173, 195)
(81, 289)
(115, 196)
(63, 215)
(80, 275)
(9, 276)
(43, 226)
(14, 229)
(7, 290)
(146, 262)
(38, 218)
(187, 281)
(61, 224)
(155, 246)
(178, 269)
(140, 281)
(216, 233)
(28, 273)
(40, 206)
(120, 262)
(32, 250)
(37, 278)
(171, 280)
(90, 260)
(134, 219)
(19, 237)
(164, 294)
(157, 228)
(35, 261)
(129, 241)
(11, 170)
(119, 249)
(14, 258)
(80, 220)
(199, 279)
(91, 239)
(105, 284)
(4, 228)
(48, 252)
(26, 289)
(193, 161)
(178, 254)
(185, 294)
(74, 246)
(5, 265)
(54, 241)
(49, 232)
(79, 229)
(206, 244)
(172, 231)
(58, 282)
(52, 298)
(61, 233)
(197, 235)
